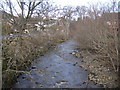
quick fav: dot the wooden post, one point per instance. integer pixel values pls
(0, 50)
(119, 39)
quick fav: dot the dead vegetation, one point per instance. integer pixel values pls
(18, 55)
(95, 30)
(26, 37)
(98, 45)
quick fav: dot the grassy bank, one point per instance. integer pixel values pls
(19, 52)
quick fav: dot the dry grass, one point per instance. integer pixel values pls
(94, 36)
(19, 52)
(96, 39)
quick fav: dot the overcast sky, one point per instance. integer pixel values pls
(78, 2)
(73, 3)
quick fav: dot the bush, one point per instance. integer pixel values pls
(94, 36)
(19, 52)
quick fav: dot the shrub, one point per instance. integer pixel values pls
(94, 36)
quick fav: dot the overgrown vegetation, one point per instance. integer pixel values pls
(98, 44)
(40, 26)
(26, 35)
(18, 55)
(99, 39)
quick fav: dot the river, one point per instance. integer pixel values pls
(57, 69)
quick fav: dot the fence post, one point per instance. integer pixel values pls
(119, 39)
(0, 50)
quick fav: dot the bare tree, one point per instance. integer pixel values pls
(21, 14)
(66, 18)
(81, 11)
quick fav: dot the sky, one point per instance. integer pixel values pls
(78, 2)
(73, 3)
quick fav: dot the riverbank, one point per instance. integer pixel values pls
(19, 52)
(100, 68)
